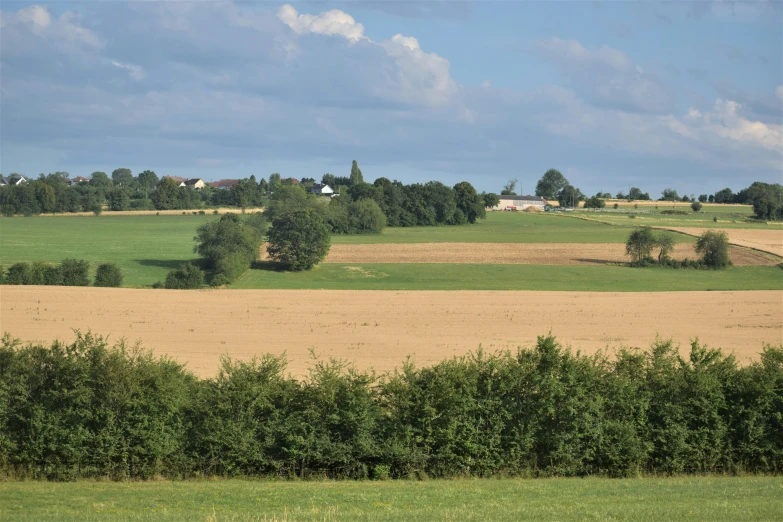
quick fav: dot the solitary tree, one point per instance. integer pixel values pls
(634, 194)
(299, 240)
(665, 242)
(714, 247)
(550, 184)
(696, 206)
(509, 189)
(640, 243)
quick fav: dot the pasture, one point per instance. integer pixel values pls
(678, 498)
(380, 329)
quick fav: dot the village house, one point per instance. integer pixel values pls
(77, 180)
(321, 190)
(195, 183)
(13, 179)
(224, 183)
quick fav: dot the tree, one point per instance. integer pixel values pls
(366, 217)
(670, 195)
(118, 199)
(274, 181)
(640, 243)
(767, 200)
(469, 202)
(634, 194)
(148, 180)
(356, 174)
(550, 184)
(122, 178)
(74, 272)
(45, 196)
(166, 196)
(724, 196)
(714, 247)
(100, 180)
(299, 240)
(595, 202)
(227, 236)
(187, 276)
(569, 196)
(703, 198)
(696, 206)
(620, 195)
(108, 275)
(329, 179)
(509, 189)
(665, 242)
(490, 200)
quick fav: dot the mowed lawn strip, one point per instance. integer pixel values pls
(421, 276)
(641, 499)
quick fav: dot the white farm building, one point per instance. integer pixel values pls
(519, 202)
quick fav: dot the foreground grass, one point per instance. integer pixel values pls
(688, 498)
(513, 277)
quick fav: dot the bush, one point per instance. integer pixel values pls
(18, 274)
(74, 272)
(186, 277)
(366, 217)
(616, 206)
(595, 202)
(714, 246)
(37, 273)
(696, 206)
(298, 240)
(108, 275)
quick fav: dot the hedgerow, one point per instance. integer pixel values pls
(87, 410)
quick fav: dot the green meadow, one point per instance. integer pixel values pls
(640, 499)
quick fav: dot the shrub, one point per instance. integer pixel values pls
(696, 206)
(37, 273)
(2, 275)
(108, 275)
(616, 206)
(298, 240)
(96, 209)
(18, 274)
(595, 202)
(366, 217)
(74, 272)
(714, 246)
(186, 277)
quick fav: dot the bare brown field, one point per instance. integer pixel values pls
(380, 328)
(766, 240)
(222, 210)
(514, 253)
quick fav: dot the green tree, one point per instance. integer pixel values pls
(714, 247)
(122, 178)
(550, 184)
(366, 217)
(45, 196)
(118, 199)
(166, 196)
(634, 193)
(640, 243)
(569, 196)
(670, 195)
(299, 240)
(18, 274)
(703, 198)
(186, 277)
(469, 202)
(509, 189)
(100, 180)
(724, 196)
(108, 275)
(664, 241)
(595, 202)
(696, 206)
(75, 272)
(226, 237)
(356, 174)
(148, 180)
(490, 200)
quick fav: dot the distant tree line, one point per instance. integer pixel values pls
(89, 410)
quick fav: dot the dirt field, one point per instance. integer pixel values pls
(514, 253)
(766, 240)
(380, 329)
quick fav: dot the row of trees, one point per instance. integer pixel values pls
(88, 410)
(712, 245)
(69, 272)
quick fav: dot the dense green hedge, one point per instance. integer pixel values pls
(69, 272)
(90, 410)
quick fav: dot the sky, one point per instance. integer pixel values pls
(687, 95)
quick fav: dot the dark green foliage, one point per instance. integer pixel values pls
(550, 184)
(186, 277)
(74, 272)
(714, 246)
(298, 240)
(490, 200)
(89, 410)
(640, 243)
(469, 202)
(118, 199)
(696, 206)
(229, 245)
(108, 274)
(595, 202)
(18, 274)
(569, 196)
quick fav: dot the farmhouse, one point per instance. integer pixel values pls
(195, 183)
(224, 183)
(13, 179)
(180, 181)
(519, 202)
(321, 190)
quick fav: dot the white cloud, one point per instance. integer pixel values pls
(330, 23)
(25, 29)
(726, 121)
(135, 72)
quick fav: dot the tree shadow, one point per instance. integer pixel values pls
(170, 264)
(267, 265)
(598, 261)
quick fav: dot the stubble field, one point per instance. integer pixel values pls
(380, 329)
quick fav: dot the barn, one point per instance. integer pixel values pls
(519, 202)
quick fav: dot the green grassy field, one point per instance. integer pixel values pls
(654, 499)
(728, 216)
(512, 277)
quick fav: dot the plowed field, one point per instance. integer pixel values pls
(514, 253)
(380, 328)
(766, 240)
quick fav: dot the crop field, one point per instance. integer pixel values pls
(654, 499)
(380, 329)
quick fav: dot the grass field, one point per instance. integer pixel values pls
(654, 499)
(728, 216)
(512, 277)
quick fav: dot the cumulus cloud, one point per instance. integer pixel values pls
(726, 121)
(334, 22)
(606, 77)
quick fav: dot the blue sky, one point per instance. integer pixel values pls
(686, 95)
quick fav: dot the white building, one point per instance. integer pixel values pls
(321, 190)
(519, 202)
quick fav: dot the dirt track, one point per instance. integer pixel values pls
(515, 253)
(380, 329)
(766, 240)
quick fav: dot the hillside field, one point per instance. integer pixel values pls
(562, 499)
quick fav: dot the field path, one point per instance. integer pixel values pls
(515, 253)
(765, 240)
(380, 328)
